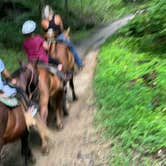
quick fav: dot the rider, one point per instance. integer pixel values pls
(35, 46)
(54, 21)
(5, 90)
(8, 92)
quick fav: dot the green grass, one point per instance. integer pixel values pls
(11, 58)
(103, 11)
(80, 35)
(126, 109)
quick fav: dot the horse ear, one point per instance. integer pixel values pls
(68, 30)
(21, 63)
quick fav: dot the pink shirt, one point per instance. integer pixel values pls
(33, 47)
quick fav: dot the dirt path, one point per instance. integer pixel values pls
(78, 144)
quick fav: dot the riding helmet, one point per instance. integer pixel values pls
(28, 27)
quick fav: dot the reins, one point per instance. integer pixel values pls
(31, 94)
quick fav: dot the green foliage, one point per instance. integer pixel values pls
(11, 36)
(94, 12)
(82, 15)
(150, 28)
(126, 102)
(11, 58)
(133, 1)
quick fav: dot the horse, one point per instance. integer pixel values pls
(50, 96)
(51, 92)
(36, 89)
(60, 51)
(12, 119)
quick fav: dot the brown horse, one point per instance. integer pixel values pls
(45, 89)
(60, 51)
(51, 94)
(12, 119)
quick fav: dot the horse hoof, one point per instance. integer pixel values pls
(65, 113)
(75, 98)
(60, 126)
(32, 160)
(45, 151)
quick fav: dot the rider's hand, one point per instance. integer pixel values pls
(60, 67)
(13, 81)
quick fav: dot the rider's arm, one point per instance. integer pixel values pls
(6, 74)
(45, 45)
(58, 21)
(8, 77)
(44, 24)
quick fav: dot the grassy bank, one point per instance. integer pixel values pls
(130, 94)
(130, 86)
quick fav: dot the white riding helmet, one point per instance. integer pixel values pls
(28, 27)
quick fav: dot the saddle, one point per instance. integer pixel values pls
(53, 70)
(13, 102)
(10, 101)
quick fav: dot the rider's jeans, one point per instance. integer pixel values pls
(78, 60)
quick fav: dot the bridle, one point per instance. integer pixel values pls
(27, 80)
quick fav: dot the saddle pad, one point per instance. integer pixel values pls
(11, 102)
(53, 70)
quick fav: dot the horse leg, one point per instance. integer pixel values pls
(64, 108)
(1, 144)
(44, 113)
(58, 109)
(73, 89)
(43, 132)
(25, 149)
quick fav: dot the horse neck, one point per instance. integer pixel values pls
(57, 49)
(61, 49)
(52, 49)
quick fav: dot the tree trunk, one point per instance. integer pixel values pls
(66, 9)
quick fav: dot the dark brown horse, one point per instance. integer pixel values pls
(12, 119)
(60, 51)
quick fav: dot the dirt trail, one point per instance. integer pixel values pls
(78, 144)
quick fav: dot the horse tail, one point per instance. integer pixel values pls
(42, 128)
(38, 124)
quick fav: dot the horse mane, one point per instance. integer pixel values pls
(16, 73)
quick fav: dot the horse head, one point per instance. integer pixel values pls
(51, 35)
(27, 78)
(50, 38)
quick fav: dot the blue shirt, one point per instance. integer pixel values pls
(6, 89)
